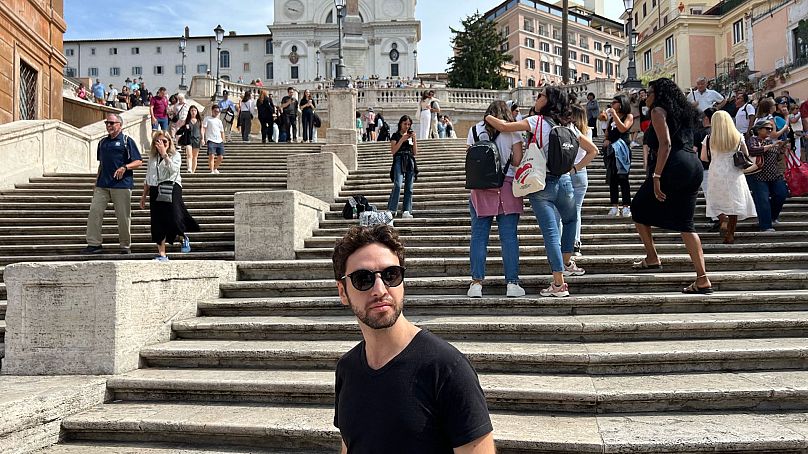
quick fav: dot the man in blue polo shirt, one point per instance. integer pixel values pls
(98, 91)
(118, 155)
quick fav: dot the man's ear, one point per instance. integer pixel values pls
(343, 293)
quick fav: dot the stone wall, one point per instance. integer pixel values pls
(82, 113)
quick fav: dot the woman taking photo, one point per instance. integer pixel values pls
(170, 220)
(769, 189)
(266, 113)
(403, 147)
(245, 115)
(307, 105)
(486, 204)
(619, 128)
(728, 196)
(557, 195)
(667, 198)
(190, 137)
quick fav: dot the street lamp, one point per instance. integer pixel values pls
(631, 78)
(415, 64)
(607, 49)
(318, 64)
(340, 81)
(219, 31)
(183, 44)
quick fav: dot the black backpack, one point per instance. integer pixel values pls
(356, 204)
(484, 169)
(562, 148)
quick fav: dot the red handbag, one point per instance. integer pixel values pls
(796, 175)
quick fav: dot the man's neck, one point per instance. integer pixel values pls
(113, 135)
(702, 90)
(382, 345)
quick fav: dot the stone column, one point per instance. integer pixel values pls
(93, 318)
(319, 175)
(341, 135)
(272, 225)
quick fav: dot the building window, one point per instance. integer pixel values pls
(528, 25)
(646, 60)
(158, 70)
(618, 52)
(737, 32)
(246, 67)
(92, 51)
(530, 63)
(545, 47)
(670, 47)
(571, 38)
(268, 47)
(573, 74)
(270, 71)
(583, 43)
(224, 59)
(28, 83)
(573, 55)
(609, 69)
(598, 46)
(556, 34)
(114, 72)
(394, 70)
(70, 72)
(557, 70)
(584, 77)
(135, 51)
(200, 48)
(543, 30)
(158, 50)
(137, 70)
(506, 30)
(530, 42)
(92, 72)
(545, 67)
(800, 47)
(636, 18)
(179, 69)
(644, 10)
(113, 51)
(653, 3)
(294, 72)
(598, 65)
(505, 46)
(531, 82)
(696, 11)
(585, 58)
(70, 52)
(201, 69)
(557, 50)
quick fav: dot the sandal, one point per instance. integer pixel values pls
(643, 265)
(695, 289)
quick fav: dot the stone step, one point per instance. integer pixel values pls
(111, 253)
(497, 304)
(82, 213)
(3, 306)
(3, 295)
(590, 284)
(87, 447)
(2, 328)
(69, 205)
(441, 263)
(517, 328)
(112, 236)
(109, 220)
(144, 246)
(769, 391)
(45, 230)
(600, 358)
(79, 189)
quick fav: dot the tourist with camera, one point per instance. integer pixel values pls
(403, 147)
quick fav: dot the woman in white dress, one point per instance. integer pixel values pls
(728, 196)
(424, 116)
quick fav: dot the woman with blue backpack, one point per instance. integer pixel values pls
(560, 146)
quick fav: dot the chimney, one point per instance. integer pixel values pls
(233, 32)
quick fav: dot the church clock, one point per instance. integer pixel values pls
(393, 8)
(293, 9)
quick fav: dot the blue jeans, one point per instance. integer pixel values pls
(580, 182)
(163, 123)
(769, 197)
(399, 180)
(556, 195)
(481, 231)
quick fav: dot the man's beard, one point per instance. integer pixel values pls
(378, 321)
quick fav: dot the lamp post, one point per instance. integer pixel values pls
(607, 49)
(183, 44)
(219, 31)
(415, 64)
(318, 63)
(340, 81)
(631, 78)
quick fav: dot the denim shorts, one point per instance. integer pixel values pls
(215, 148)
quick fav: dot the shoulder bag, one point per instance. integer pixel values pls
(741, 159)
(165, 189)
(532, 171)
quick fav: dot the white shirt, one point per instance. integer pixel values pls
(505, 141)
(160, 169)
(113, 95)
(581, 151)
(743, 116)
(545, 131)
(706, 99)
(213, 129)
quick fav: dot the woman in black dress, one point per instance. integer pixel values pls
(667, 198)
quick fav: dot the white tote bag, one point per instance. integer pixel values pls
(531, 173)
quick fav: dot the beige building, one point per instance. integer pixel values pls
(31, 60)
(533, 30)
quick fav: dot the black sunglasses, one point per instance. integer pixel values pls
(363, 280)
(768, 128)
(108, 123)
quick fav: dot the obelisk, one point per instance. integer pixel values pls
(354, 44)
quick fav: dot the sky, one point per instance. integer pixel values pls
(96, 19)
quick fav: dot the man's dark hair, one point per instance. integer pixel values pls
(708, 113)
(590, 94)
(745, 97)
(359, 237)
(290, 88)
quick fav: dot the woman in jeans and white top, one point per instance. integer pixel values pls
(580, 179)
(486, 204)
(245, 115)
(169, 220)
(557, 195)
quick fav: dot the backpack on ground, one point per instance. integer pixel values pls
(356, 205)
(484, 169)
(562, 148)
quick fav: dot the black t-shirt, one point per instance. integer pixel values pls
(698, 138)
(425, 400)
(291, 109)
(406, 147)
(311, 105)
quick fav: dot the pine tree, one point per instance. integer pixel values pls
(478, 58)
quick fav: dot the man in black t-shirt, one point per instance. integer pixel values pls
(402, 389)
(289, 105)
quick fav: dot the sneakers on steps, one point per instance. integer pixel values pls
(559, 291)
(406, 215)
(475, 290)
(626, 212)
(186, 245)
(571, 269)
(161, 258)
(91, 250)
(514, 290)
(614, 212)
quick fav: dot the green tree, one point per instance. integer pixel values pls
(478, 58)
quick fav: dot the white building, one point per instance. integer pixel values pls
(380, 38)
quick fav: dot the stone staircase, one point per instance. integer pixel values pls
(626, 364)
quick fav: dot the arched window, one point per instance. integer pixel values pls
(330, 18)
(270, 71)
(531, 82)
(269, 47)
(224, 59)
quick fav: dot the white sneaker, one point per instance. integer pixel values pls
(406, 215)
(476, 290)
(572, 269)
(514, 291)
(614, 212)
(626, 212)
(216, 171)
(556, 290)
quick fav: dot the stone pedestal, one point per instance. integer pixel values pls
(271, 225)
(319, 175)
(92, 318)
(346, 153)
(342, 109)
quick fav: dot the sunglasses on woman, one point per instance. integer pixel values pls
(768, 128)
(165, 141)
(363, 280)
